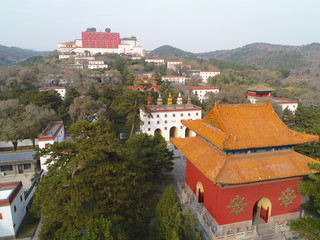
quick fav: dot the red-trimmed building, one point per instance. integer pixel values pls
(145, 83)
(242, 166)
(60, 90)
(201, 91)
(12, 208)
(93, 39)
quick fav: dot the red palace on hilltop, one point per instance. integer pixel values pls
(242, 166)
(93, 39)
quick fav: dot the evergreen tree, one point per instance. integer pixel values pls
(309, 227)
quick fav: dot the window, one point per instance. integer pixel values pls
(148, 129)
(157, 122)
(21, 198)
(46, 145)
(181, 114)
(15, 208)
(197, 114)
(1, 216)
(188, 114)
(165, 128)
(6, 168)
(165, 115)
(181, 127)
(48, 160)
(27, 166)
(165, 121)
(174, 115)
(148, 122)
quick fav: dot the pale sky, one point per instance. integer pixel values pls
(191, 25)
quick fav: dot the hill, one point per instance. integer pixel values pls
(166, 50)
(299, 59)
(13, 55)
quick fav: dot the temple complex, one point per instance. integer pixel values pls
(241, 164)
(145, 84)
(166, 119)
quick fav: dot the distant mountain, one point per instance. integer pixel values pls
(297, 58)
(166, 50)
(13, 55)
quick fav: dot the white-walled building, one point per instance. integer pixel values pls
(97, 64)
(60, 90)
(54, 132)
(166, 119)
(157, 61)
(12, 208)
(201, 91)
(258, 92)
(206, 74)
(66, 56)
(174, 64)
(176, 79)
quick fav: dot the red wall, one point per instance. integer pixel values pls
(100, 39)
(217, 198)
(257, 94)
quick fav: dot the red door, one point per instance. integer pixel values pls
(20, 168)
(200, 196)
(264, 213)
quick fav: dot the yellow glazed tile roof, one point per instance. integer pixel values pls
(242, 168)
(245, 126)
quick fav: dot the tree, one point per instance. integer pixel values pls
(87, 109)
(93, 93)
(170, 222)
(309, 227)
(11, 118)
(88, 178)
(151, 156)
(71, 94)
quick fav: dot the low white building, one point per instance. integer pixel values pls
(174, 64)
(54, 132)
(65, 56)
(286, 103)
(12, 208)
(167, 119)
(206, 74)
(201, 91)
(176, 79)
(60, 90)
(97, 64)
(157, 61)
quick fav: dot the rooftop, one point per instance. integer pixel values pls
(173, 107)
(246, 126)
(51, 131)
(242, 168)
(260, 88)
(8, 191)
(16, 156)
(201, 87)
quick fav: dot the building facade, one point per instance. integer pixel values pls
(167, 119)
(154, 60)
(60, 90)
(97, 64)
(175, 79)
(242, 166)
(54, 132)
(201, 91)
(206, 74)
(12, 208)
(174, 64)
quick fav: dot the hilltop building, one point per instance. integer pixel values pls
(174, 64)
(258, 92)
(206, 74)
(201, 91)
(97, 64)
(106, 42)
(145, 84)
(167, 119)
(157, 61)
(12, 208)
(242, 166)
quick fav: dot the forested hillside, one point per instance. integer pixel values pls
(12, 55)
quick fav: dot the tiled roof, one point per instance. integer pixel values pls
(242, 168)
(260, 88)
(246, 126)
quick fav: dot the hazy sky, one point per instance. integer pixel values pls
(192, 25)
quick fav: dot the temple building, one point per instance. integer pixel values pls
(167, 119)
(145, 84)
(258, 92)
(241, 164)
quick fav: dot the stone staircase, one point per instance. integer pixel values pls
(266, 232)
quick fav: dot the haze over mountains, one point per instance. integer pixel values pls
(297, 59)
(264, 55)
(13, 55)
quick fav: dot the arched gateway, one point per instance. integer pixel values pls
(261, 210)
